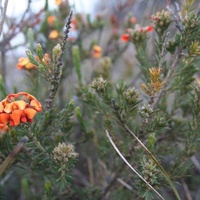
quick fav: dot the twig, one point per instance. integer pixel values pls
(56, 76)
(37, 143)
(196, 163)
(186, 189)
(168, 78)
(121, 168)
(163, 51)
(90, 170)
(3, 16)
(124, 159)
(198, 10)
(126, 185)
(10, 158)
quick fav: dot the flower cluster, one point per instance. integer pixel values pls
(145, 111)
(155, 84)
(62, 154)
(190, 22)
(161, 21)
(131, 95)
(18, 108)
(99, 84)
(136, 35)
(149, 171)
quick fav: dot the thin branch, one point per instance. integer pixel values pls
(108, 187)
(10, 158)
(37, 143)
(163, 51)
(3, 16)
(196, 163)
(124, 159)
(186, 189)
(126, 185)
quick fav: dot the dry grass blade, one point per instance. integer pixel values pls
(124, 159)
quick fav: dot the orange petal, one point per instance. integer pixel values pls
(27, 95)
(4, 118)
(51, 19)
(125, 37)
(8, 108)
(1, 107)
(30, 113)
(36, 105)
(23, 61)
(15, 105)
(29, 66)
(20, 66)
(133, 20)
(149, 28)
(16, 116)
(58, 2)
(23, 119)
(96, 51)
(11, 96)
(3, 128)
(20, 104)
(17, 95)
(53, 34)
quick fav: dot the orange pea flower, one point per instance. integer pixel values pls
(18, 108)
(146, 29)
(53, 34)
(24, 63)
(149, 28)
(51, 19)
(58, 2)
(125, 37)
(133, 20)
(96, 51)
